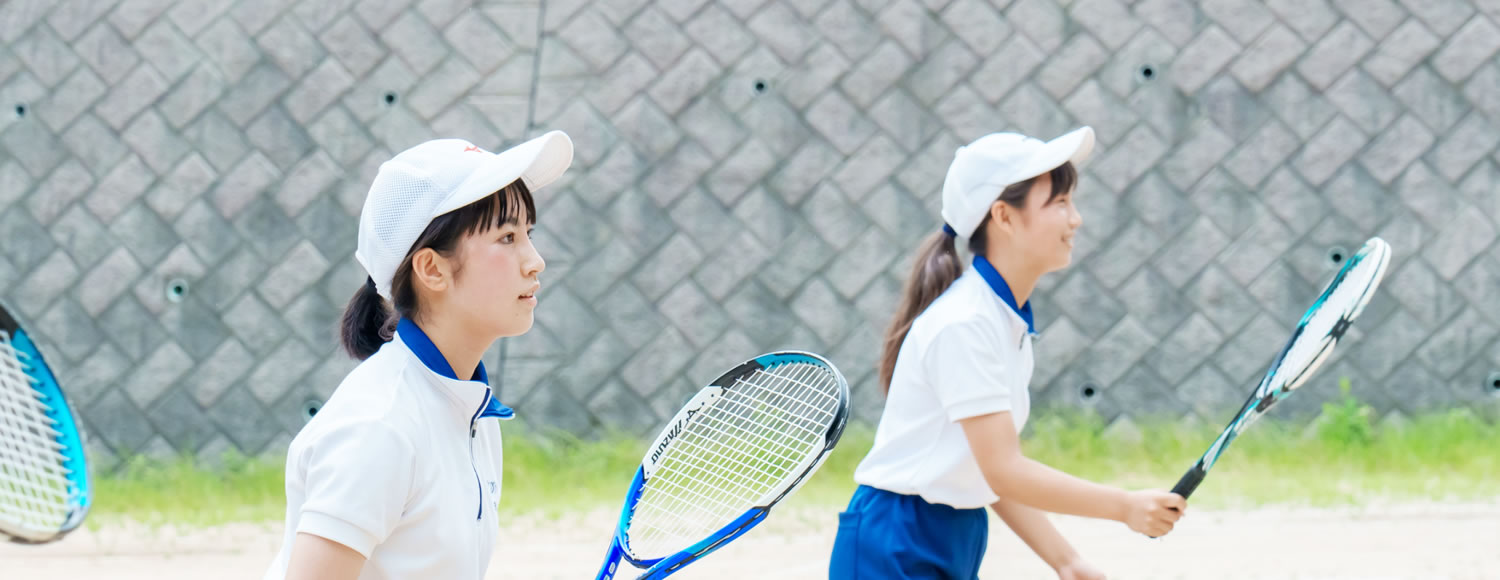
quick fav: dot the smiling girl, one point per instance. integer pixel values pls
(957, 365)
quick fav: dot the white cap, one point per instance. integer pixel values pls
(440, 176)
(984, 168)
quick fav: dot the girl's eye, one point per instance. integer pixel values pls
(507, 238)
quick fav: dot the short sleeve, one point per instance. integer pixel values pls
(966, 369)
(359, 477)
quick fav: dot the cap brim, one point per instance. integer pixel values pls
(1073, 147)
(536, 163)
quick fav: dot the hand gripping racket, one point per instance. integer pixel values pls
(44, 484)
(1312, 342)
(742, 444)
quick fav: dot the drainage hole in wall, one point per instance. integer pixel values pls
(1337, 254)
(310, 409)
(177, 289)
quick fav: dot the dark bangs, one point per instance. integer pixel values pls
(497, 209)
(444, 232)
(1064, 178)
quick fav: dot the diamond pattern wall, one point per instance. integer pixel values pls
(750, 175)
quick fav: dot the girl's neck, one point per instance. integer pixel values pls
(460, 347)
(1018, 272)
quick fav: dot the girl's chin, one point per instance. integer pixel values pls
(519, 325)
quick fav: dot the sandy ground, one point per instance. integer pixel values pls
(1438, 541)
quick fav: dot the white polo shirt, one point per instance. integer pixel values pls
(968, 354)
(402, 464)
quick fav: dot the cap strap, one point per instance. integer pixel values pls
(948, 231)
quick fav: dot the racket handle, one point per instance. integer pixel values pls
(1190, 481)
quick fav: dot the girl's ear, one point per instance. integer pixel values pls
(430, 270)
(1001, 215)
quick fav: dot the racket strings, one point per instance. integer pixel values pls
(20, 399)
(34, 489)
(733, 455)
(739, 429)
(697, 492)
(26, 400)
(1316, 342)
(701, 500)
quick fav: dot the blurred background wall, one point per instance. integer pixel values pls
(180, 185)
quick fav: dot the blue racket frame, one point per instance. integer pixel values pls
(662, 567)
(69, 430)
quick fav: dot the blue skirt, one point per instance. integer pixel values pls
(885, 535)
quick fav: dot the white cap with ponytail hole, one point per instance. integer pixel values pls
(984, 168)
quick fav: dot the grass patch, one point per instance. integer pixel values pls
(557, 473)
(183, 492)
(1436, 458)
(1339, 459)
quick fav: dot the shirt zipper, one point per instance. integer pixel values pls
(478, 485)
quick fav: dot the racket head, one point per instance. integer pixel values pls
(44, 479)
(736, 448)
(1326, 321)
(1312, 342)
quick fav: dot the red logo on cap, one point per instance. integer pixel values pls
(471, 148)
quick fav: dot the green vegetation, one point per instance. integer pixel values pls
(182, 492)
(1342, 458)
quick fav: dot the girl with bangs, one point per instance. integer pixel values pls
(956, 366)
(398, 475)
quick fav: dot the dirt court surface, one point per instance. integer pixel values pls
(1427, 541)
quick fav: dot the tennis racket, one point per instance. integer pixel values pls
(44, 483)
(1312, 342)
(739, 446)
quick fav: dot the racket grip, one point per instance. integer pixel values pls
(1190, 481)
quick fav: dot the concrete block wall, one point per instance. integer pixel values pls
(180, 185)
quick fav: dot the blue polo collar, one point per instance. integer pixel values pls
(428, 353)
(997, 283)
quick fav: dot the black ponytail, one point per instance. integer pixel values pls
(368, 322)
(935, 269)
